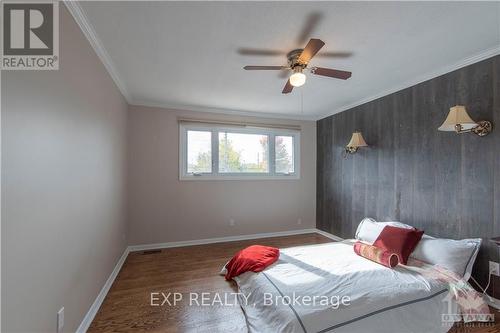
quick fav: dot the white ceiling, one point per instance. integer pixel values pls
(185, 55)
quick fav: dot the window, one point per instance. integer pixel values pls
(209, 151)
(242, 152)
(199, 153)
(284, 154)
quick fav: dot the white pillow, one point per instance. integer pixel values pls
(397, 224)
(456, 255)
(369, 229)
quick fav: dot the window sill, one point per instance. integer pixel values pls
(237, 177)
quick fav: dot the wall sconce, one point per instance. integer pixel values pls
(356, 142)
(459, 121)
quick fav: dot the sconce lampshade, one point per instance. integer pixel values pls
(357, 141)
(457, 116)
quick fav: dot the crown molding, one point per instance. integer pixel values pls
(422, 78)
(194, 108)
(81, 19)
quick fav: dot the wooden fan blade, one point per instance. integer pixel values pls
(311, 24)
(259, 52)
(284, 74)
(335, 73)
(334, 55)
(288, 87)
(312, 47)
(265, 68)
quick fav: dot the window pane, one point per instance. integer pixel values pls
(240, 152)
(199, 151)
(284, 154)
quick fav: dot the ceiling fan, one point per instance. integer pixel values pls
(298, 60)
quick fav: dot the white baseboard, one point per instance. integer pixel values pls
(143, 247)
(87, 320)
(329, 235)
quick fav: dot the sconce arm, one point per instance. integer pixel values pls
(483, 128)
(349, 150)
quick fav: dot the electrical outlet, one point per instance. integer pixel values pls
(494, 268)
(231, 222)
(60, 320)
(299, 221)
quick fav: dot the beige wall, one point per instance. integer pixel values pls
(161, 208)
(63, 223)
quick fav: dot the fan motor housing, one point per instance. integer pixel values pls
(293, 59)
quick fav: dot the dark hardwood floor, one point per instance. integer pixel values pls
(193, 269)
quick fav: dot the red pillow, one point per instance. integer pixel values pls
(253, 258)
(401, 241)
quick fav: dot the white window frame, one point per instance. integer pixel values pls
(215, 129)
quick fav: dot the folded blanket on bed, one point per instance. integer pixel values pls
(254, 258)
(471, 304)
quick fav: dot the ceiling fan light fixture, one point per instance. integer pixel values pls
(298, 60)
(298, 78)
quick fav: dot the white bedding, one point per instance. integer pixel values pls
(380, 299)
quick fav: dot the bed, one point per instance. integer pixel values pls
(328, 288)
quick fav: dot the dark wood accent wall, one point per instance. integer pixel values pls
(441, 182)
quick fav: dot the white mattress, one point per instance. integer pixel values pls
(380, 299)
